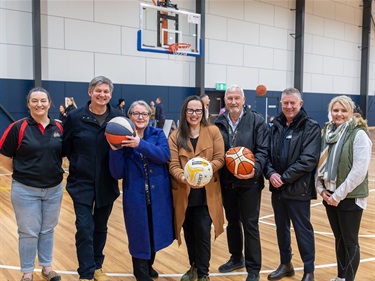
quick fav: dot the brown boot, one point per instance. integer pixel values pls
(99, 275)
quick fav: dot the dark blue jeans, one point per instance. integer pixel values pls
(91, 236)
(286, 210)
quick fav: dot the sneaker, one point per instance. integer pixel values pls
(26, 279)
(190, 275)
(232, 265)
(204, 278)
(252, 277)
(86, 279)
(338, 279)
(51, 276)
(99, 275)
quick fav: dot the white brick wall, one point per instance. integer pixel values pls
(247, 43)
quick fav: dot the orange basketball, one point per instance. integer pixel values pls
(240, 160)
(261, 90)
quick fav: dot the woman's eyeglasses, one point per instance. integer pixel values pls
(196, 111)
(138, 114)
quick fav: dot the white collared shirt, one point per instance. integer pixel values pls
(234, 126)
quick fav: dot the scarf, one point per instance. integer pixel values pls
(332, 144)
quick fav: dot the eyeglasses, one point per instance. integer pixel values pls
(139, 114)
(196, 111)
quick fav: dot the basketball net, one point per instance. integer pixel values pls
(180, 51)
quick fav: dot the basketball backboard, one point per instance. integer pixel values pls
(160, 27)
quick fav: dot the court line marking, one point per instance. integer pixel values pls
(179, 275)
(315, 232)
(211, 274)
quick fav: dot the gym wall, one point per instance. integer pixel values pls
(247, 43)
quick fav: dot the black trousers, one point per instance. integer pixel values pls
(297, 211)
(345, 220)
(197, 232)
(160, 124)
(242, 206)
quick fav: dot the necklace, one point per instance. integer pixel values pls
(194, 133)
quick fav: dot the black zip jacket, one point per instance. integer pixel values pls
(87, 149)
(253, 134)
(302, 159)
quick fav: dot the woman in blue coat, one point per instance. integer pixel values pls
(147, 200)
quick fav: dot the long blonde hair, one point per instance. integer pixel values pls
(73, 101)
(349, 105)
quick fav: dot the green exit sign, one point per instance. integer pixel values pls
(221, 86)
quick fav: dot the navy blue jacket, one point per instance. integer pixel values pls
(87, 149)
(303, 157)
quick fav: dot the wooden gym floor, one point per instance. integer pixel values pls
(172, 262)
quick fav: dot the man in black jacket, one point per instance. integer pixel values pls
(240, 126)
(294, 155)
(90, 184)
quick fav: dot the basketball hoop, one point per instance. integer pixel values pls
(179, 50)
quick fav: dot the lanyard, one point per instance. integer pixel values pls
(147, 187)
(232, 134)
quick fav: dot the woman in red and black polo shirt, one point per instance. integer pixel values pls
(31, 149)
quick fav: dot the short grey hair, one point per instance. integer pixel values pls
(139, 102)
(290, 91)
(233, 88)
(101, 80)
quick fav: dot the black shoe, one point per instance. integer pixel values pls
(153, 273)
(308, 276)
(282, 271)
(141, 269)
(143, 279)
(232, 265)
(252, 277)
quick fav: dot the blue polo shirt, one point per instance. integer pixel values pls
(37, 158)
